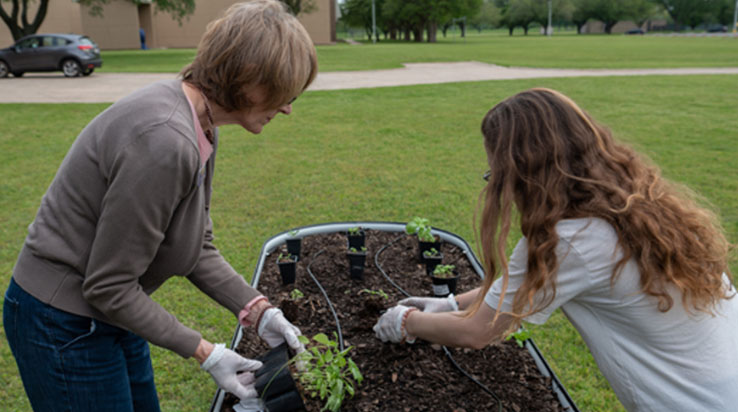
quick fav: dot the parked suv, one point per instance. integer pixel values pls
(72, 54)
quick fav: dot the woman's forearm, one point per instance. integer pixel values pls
(467, 298)
(453, 329)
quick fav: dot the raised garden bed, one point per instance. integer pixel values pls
(403, 377)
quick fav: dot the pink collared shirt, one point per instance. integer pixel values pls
(206, 148)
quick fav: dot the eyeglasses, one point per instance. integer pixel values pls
(486, 175)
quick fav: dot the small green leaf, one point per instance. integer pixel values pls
(321, 338)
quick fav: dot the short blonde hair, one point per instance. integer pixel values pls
(255, 43)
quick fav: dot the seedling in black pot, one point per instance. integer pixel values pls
(287, 264)
(432, 258)
(426, 240)
(356, 237)
(444, 280)
(294, 243)
(357, 262)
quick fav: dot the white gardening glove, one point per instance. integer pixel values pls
(224, 364)
(389, 327)
(275, 329)
(447, 304)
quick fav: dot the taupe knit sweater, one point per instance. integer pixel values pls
(127, 210)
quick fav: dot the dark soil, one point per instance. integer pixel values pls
(398, 377)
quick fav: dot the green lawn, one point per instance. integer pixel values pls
(376, 154)
(559, 51)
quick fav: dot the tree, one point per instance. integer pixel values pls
(640, 11)
(518, 13)
(489, 16)
(687, 12)
(358, 13)
(721, 11)
(609, 12)
(19, 24)
(300, 6)
(559, 11)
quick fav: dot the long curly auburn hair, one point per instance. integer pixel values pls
(551, 161)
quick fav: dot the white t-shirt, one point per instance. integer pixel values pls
(654, 361)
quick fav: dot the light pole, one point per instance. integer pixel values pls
(374, 23)
(735, 16)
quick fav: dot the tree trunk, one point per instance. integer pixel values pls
(463, 28)
(432, 30)
(609, 25)
(579, 27)
(23, 28)
(418, 33)
(510, 29)
(525, 30)
(407, 34)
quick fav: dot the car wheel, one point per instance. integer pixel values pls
(3, 69)
(18, 74)
(87, 72)
(71, 68)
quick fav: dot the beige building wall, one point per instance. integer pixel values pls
(62, 16)
(321, 23)
(119, 25)
(166, 32)
(117, 28)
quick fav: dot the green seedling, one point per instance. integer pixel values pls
(284, 258)
(296, 294)
(421, 227)
(328, 372)
(520, 336)
(379, 292)
(444, 271)
(354, 231)
(294, 232)
(353, 249)
(431, 253)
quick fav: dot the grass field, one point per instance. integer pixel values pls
(376, 154)
(559, 51)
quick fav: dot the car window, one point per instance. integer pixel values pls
(48, 41)
(86, 40)
(31, 43)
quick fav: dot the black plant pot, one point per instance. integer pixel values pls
(288, 270)
(274, 382)
(357, 261)
(356, 241)
(294, 244)
(423, 246)
(431, 262)
(442, 287)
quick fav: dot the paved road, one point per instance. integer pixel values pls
(109, 87)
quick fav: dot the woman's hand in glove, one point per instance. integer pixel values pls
(224, 366)
(435, 305)
(275, 329)
(391, 325)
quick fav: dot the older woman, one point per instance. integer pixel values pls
(635, 264)
(129, 208)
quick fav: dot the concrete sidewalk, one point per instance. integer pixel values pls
(109, 87)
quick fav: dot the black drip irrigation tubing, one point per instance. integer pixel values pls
(330, 304)
(445, 349)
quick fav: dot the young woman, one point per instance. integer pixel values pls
(633, 262)
(129, 208)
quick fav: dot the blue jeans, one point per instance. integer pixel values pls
(75, 363)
